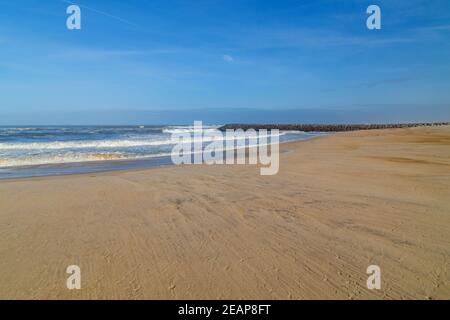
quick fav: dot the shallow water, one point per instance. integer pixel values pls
(56, 150)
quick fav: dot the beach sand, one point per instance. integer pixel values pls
(338, 204)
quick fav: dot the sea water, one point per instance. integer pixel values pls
(52, 150)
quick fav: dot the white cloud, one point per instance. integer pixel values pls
(228, 58)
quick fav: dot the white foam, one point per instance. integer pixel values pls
(105, 144)
(81, 144)
(71, 158)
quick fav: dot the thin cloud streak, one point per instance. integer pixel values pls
(102, 13)
(435, 28)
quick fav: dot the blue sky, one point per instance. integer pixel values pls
(167, 61)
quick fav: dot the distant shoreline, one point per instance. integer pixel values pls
(328, 127)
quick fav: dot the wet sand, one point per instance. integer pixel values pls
(338, 204)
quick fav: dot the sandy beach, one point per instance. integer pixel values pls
(338, 204)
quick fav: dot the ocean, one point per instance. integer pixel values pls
(55, 150)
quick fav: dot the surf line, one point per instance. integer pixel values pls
(227, 148)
